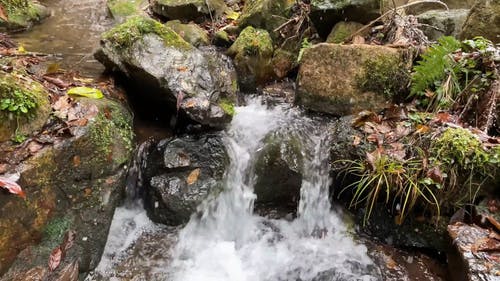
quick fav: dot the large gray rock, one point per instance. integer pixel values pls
(442, 23)
(199, 83)
(180, 173)
(346, 79)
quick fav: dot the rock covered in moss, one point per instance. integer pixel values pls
(252, 52)
(346, 79)
(188, 9)
(326, 13)
(22, 14)
(179, 173)
(265, 14)
(448, 23)
(171, 71)
(342, 30)
(24, 107)
(124, 8)
(74, 184)
(192, 33)
(483, 20)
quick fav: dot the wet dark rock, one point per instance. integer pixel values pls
(201, 83)
(279, 92)
(188, 9)
(347, 79)
(447, 22)
(476, 253)
(278, 171)
(74, 184)
(179, 173)
(326, 13)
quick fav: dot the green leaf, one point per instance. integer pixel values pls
(86, 92)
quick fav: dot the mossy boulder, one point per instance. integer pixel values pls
(74, 184)
(326, 13)
(483, 20)
(448, 23)
(346, 79)
(123, 8)
(192, 33)
(278, 171)
(22, 14)
(252, 52)
(24, 106)
(188, 9)
(342, 30)
(170, 71)
(265, 14)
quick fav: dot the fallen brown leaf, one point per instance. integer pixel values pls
(12, 187)
(193, 176)
(55, 258)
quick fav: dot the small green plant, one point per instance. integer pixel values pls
(18, 103)
(227, 106)
(303, 47)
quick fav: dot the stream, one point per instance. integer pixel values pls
(224, 240)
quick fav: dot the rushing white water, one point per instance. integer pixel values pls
(225, 241)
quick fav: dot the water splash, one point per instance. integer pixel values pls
(225, 241)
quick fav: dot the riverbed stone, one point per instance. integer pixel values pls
(448, 23)
(326, 13)
(265, 14)
(342, 30)
(188, 9)
(346, 79)
(73, 184)
(22, 14)
(474, 250)
(179, 173)
(199, 85)
(278, 171)
(483, 20)
(24, 107)
(252, 52)
(120, 9)
(192, 33)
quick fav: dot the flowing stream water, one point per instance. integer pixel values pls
(226, 241)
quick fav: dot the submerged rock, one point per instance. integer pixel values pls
(199, 83)
(448, 23)
(74, 184)
(24, 107)
(483, 20)
(188, 9)
(346, 79)
(192, 33)
(21, 14)
(252, 53)
(180, 173)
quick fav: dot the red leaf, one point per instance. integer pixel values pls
(12, 187)
(55, 258)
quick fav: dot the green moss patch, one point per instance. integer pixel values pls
(124, 35)
(227, 106)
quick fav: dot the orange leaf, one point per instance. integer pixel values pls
(55, 258)
(12, 187)
(3, 14)
(193, 176)
(422, 129)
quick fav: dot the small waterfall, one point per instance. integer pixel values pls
(225, 241)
